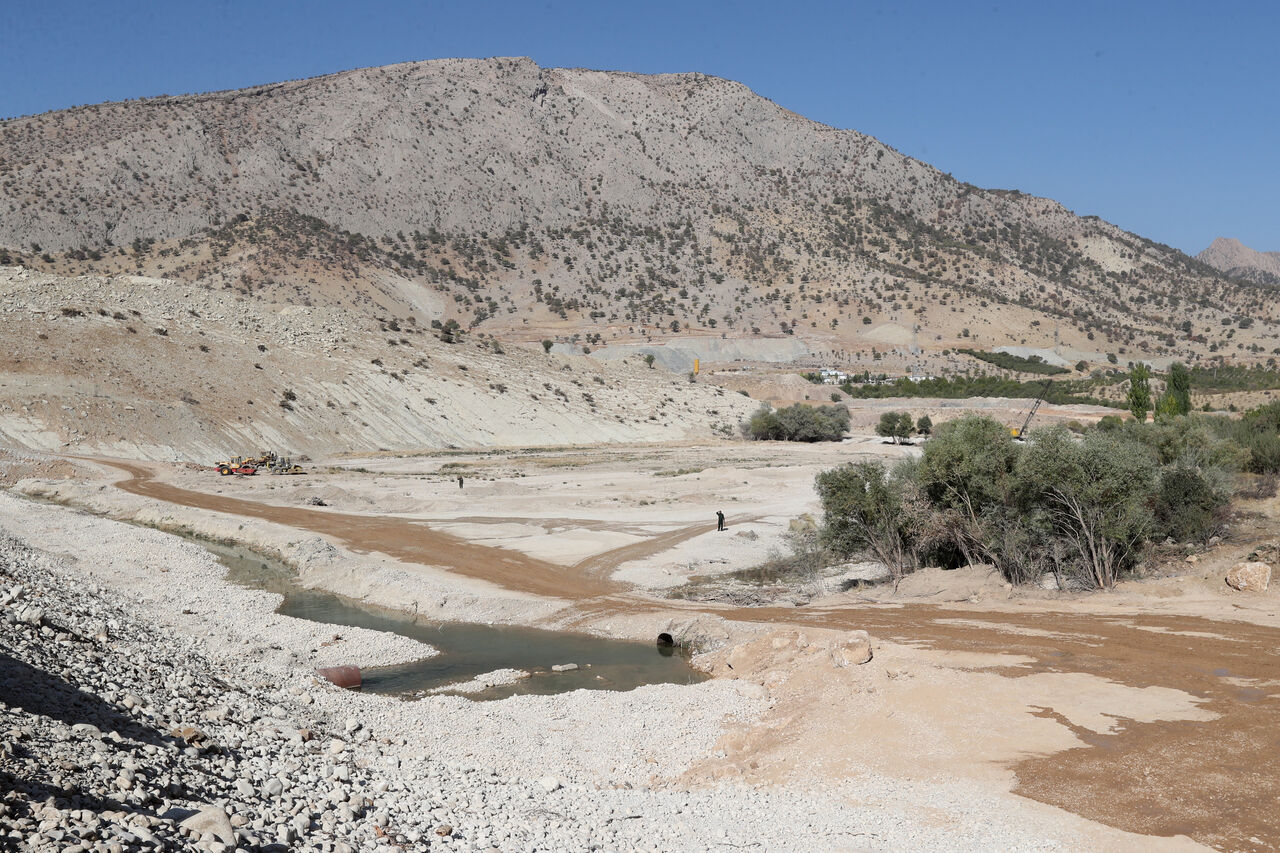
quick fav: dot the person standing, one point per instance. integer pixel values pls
(719, 520)
(459, 481)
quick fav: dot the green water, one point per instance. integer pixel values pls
(467, 649)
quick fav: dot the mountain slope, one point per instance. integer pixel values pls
(152, 368)
(598, 208)
(1239, 261)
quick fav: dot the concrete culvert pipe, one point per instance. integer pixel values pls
(666, 640)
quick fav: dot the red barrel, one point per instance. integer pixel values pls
(343, 676)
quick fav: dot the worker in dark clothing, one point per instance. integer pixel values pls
(459, 481)
(719, 520)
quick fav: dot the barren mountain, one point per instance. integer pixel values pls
(397, 225)
(590, 206)
(1239, 261)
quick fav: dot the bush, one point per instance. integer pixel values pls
(799, 422)
(1258, 432)
(967, 464)
(1265, 486)
(864, 509)
(1091, 499)
(1084, 507)
(1189, 506)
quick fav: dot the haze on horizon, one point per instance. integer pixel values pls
(1152, 118)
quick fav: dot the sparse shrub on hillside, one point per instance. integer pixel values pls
(546, 346)
(448, 332)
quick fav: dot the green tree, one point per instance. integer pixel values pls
(1179, 389)
(862, 508)
(965, 473)
(1139, 398)
(895, 425)
(1166, 407)
(547, 345)
(1092, 499)
(763, 425)
(924, 426)
(648, 359)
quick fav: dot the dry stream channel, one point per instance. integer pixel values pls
(466, 649)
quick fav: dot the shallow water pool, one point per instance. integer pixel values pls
(467, 649)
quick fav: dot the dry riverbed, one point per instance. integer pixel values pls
(783, 749)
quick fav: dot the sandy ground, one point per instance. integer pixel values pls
(1146, 709)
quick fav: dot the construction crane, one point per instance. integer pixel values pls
(1020, 434)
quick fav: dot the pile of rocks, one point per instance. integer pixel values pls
(116, 737)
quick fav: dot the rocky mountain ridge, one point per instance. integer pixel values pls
(1239, 261)
(593, 208)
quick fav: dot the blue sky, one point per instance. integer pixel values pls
(1163, 117)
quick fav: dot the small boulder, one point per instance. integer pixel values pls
(1249, 577)
(550, 784)
(212, 821)
(564, 667)
(854, 649)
